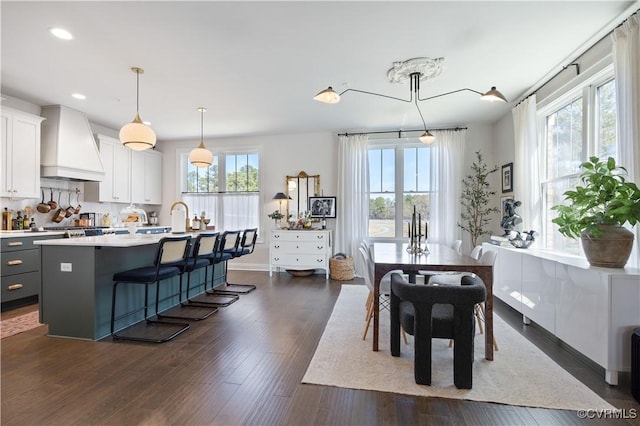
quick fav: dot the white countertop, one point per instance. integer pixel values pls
(122, 240)
(569, 259)
(22, 234)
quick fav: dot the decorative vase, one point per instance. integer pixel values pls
(611, 250)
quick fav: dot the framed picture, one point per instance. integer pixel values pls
(322, 207)
(507, 177)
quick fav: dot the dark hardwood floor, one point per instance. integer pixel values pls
(244, 365)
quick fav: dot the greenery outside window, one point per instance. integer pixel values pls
(397, 171)
(579, 124)
(228, 190)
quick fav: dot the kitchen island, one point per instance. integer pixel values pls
(77, 283)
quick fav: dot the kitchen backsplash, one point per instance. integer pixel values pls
(46, 219)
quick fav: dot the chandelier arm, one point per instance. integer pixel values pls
(378, 94)
(449, 93)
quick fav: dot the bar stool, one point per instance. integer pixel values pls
(204, 244)
(203, 256)
(171, 251)
(229, 248)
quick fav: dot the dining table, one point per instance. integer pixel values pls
(389, 256)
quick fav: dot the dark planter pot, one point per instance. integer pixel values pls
(611, 250)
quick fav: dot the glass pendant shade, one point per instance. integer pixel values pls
(493, 95)
(137, 135)
(427, 138)
(201, 156)
(328, 96)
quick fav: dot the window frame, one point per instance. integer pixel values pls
(182, 159)
(587, 90)
(398, 145)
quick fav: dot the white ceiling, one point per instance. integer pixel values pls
(257, 65)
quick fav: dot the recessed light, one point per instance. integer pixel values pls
(61, 33)
(79, 96)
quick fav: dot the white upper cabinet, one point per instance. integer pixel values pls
(20, 154)
(146, 177)
(116, 160)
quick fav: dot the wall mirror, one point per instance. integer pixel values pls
(300, 188)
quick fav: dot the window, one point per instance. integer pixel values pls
(228, 191)
(397, 171)
(579, 125)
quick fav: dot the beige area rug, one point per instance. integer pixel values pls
(519, 375)
(16, 325)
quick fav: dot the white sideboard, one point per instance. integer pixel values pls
(592, 309)
(300, 250)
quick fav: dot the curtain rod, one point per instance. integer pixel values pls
(578, 53)
(399, 132)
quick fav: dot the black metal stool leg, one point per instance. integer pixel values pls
(229, 288)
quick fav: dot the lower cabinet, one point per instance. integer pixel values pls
(20, 268)
(594, 310)
(300, 250)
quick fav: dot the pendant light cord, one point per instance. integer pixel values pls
(415, 86)
(137, 92)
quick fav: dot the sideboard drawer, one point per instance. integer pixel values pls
(308, 261)
(298, 247)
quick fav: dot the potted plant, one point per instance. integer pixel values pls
(276, 216)
(475, 200)
(597, 210)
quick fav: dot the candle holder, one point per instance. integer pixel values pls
(416, 236)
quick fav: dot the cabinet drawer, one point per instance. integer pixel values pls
(300, 236)
(18, 286)
(307, 260)
(24, 243)
(18, 262)
(298, 247)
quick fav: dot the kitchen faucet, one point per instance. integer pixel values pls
(187, 227)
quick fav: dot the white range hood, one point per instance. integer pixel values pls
(68, 150)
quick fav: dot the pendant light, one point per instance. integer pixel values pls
(201, 156)
(137, 135)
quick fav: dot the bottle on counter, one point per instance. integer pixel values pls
(19, 222)
(195, 223)
(6, 219)
(26, 224)
(32, 224)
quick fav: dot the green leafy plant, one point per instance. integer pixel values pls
(476, 198)
(276, 215)
(604, 198)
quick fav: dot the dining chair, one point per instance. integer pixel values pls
(385, 289)
(428, 312)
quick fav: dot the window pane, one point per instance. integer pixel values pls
(606, 120)
(202, 179)
(382, 204)
(242, 172)
(382, 215)
(416, 169)
(553, 195)
(564, 140)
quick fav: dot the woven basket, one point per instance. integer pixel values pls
(341, 269)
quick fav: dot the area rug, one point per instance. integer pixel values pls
(18, 324)
(520, 374)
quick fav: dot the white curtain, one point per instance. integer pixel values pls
(446, 178)
(352, 225)
(526, 164)
(626, 64)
